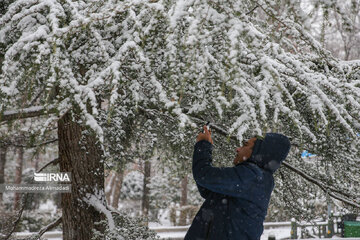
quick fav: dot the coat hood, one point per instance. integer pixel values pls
(270, 152)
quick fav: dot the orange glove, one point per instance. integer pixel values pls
(205, 136)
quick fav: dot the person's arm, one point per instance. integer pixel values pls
(204, 193)
(231, 181)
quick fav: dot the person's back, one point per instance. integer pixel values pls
(236, 198)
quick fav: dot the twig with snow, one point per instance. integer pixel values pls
(45, 229)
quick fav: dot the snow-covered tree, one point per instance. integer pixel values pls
(237, 63)
(336, 25)
(132, 187)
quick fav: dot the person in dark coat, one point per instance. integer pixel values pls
(236, 198)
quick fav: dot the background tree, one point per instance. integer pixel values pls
(335, 24)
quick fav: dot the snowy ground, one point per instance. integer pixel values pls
(174, 233)
(281, 230)
(279, 233)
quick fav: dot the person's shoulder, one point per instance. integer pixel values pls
(250, 169)
(249, 165)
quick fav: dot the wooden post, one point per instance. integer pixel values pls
(302, 234)
(293, 229)
(324, 230)
(338, 222)
(330, 231)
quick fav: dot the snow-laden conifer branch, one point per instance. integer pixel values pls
(346, 197)
(304, 35)
(113, 56)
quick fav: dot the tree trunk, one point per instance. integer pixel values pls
(3, 150)
(118, 183)
(18, 173)
(183, 201)
(145, 199)
(81, 155)
(109, 182)
(37, 159)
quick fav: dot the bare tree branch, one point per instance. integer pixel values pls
(33, 111)
(252, 10)
(16, 222)
(9, 143)
(315, 181)
(53, 162)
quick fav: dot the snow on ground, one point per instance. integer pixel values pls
(334, 237)
(51, 235)
(176, 235)
(279, 233)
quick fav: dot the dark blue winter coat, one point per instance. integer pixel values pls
(236, 198)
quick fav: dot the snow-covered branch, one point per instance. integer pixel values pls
(99, 206)
(45, 229)
(324, 187)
